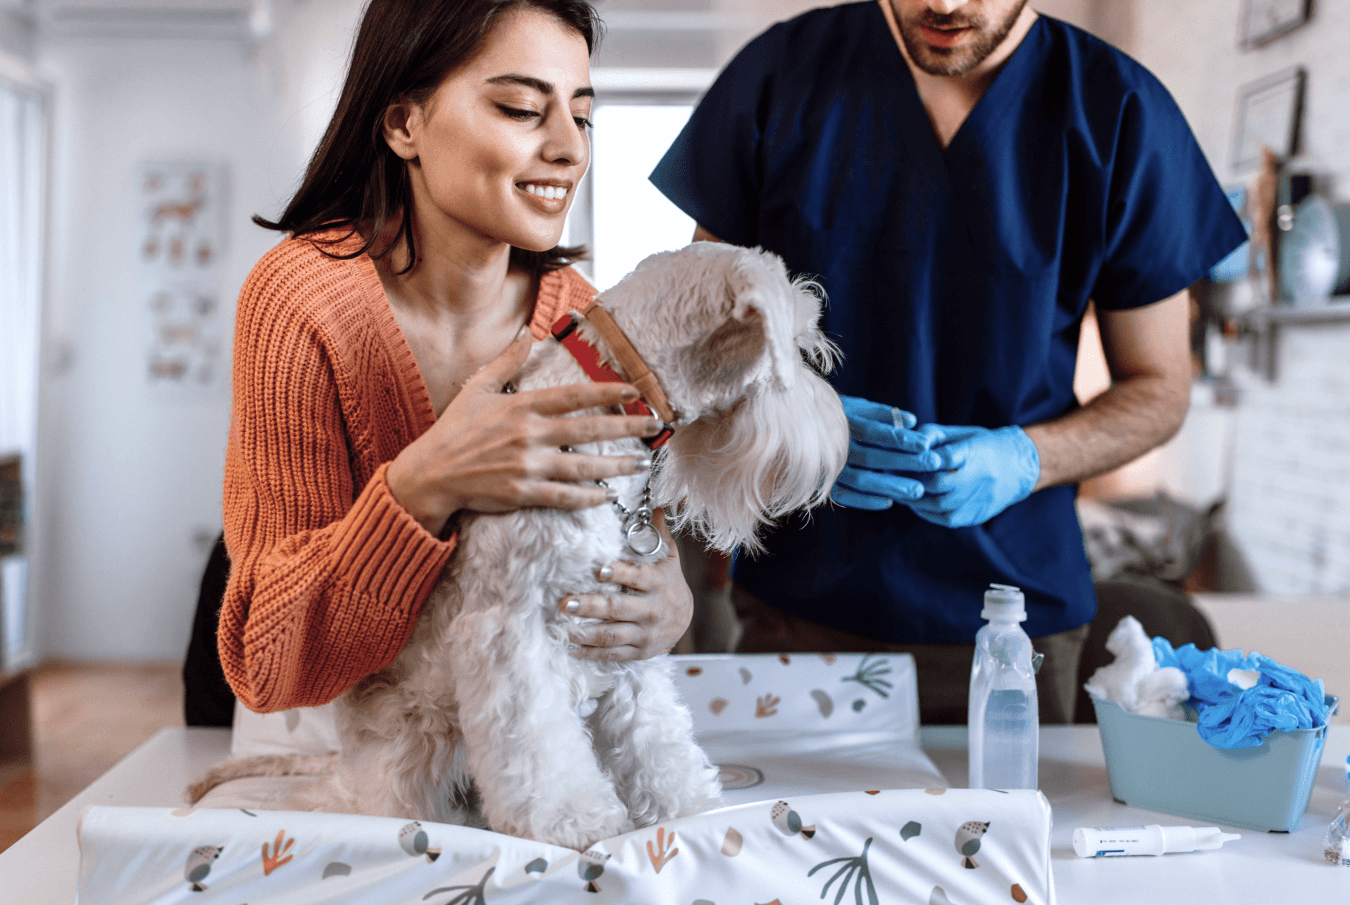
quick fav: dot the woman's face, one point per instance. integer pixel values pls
(499, 148)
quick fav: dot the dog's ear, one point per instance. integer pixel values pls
(728, 356)
(758, 326)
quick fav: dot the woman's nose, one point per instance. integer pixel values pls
(566, 142)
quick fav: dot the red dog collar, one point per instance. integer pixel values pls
(586, 355)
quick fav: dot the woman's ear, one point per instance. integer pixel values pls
(400, 129)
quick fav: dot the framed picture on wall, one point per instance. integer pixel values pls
(1265, 20)
(1268, 115)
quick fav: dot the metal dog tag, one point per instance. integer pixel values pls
(643, 538)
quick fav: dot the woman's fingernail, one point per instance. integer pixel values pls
(612, 495)
(653, 427)
(642, 463)
(605, 573)
(571, 605)
(630, 393)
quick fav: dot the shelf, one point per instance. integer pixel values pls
(1336, 309)
(1267, 321)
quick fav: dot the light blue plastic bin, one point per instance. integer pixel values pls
(1164, 765)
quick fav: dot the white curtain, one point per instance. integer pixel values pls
(21, 255)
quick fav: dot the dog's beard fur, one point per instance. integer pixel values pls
(730, 472)
(485, 687)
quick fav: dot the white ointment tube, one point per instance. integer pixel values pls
(1118, 841)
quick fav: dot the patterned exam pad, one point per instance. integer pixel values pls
(829, 799)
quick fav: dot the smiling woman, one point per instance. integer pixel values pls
(373, 345)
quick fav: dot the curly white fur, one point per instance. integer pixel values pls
(485, 691)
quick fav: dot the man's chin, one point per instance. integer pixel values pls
(942, 60)
(946, 64)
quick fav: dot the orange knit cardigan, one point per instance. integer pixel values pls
(328, 571)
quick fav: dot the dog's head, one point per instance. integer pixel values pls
(738, 350)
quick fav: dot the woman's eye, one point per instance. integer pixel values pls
(517, 113)
(582, 122)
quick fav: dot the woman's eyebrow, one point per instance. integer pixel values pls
(539, 85)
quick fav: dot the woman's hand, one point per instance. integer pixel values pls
(491, 451)
(646, 613)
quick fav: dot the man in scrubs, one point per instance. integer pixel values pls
(962, 176)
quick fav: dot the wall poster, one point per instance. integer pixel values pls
(180, 244)
(1268, 117)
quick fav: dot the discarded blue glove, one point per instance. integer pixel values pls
(881, 444)
(982, 471)
(1233, 716)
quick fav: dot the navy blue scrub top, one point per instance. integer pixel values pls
(957, 278)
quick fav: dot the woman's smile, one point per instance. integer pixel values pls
(551, 197)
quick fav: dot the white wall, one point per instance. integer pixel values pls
(1192, 47)
(16, 31)
(131, 490)
(132, 481)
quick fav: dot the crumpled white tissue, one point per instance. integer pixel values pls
(1134, 680)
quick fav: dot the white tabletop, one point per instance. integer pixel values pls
(43, 867)
(1276, 868)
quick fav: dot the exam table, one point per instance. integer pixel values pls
(46, 866)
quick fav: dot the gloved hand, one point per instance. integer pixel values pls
(881, 442)
(982, 472)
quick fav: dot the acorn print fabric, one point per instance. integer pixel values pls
(827, 798)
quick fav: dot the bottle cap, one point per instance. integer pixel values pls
(1004, 603)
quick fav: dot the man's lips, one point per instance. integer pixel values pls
(941, 37)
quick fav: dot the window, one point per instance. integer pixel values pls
(22, 120)
(618, 213)
(630, 218)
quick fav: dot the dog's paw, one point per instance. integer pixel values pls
(582, 832)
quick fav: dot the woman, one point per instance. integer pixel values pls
(369, 363)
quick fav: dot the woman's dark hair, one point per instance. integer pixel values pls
(404, 50)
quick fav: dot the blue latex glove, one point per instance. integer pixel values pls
(982, 472)
(881, 444)
(1283, 699)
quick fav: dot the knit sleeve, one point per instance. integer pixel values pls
(327, 579)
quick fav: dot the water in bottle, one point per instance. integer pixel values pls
(1003, 722)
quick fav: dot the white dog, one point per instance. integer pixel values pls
(566, 750)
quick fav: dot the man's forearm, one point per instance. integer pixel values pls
(1121, 424)
(1147, 353)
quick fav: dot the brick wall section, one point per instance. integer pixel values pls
(1289, 513)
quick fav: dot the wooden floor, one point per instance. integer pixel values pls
(85, 719)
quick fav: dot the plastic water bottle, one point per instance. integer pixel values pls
(1004, 727)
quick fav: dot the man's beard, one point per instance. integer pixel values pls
(956, 60)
